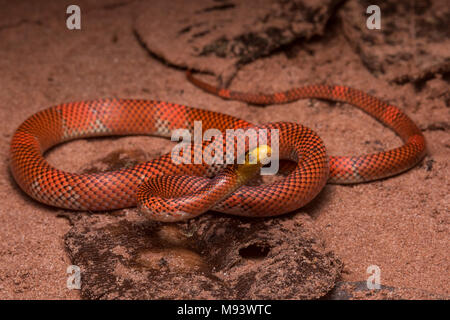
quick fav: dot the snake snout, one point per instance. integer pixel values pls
(259, 155)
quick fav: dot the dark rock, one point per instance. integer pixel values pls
(218, 38)
(408, 47)
(122, 255)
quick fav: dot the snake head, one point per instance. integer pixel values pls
(259, 155)
(254, 160)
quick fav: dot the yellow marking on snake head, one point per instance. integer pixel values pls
(258, 155)
(254, 160)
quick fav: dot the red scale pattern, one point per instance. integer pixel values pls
(161, 178)
(344, 170)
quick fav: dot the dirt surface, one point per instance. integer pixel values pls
(400, 224)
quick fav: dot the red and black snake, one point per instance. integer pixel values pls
(169, 192)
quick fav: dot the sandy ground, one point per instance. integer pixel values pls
(399, 224)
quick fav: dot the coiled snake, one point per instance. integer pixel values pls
(169, 192)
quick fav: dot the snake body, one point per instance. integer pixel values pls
(169, 192)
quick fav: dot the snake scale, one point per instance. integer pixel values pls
(170, 192)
